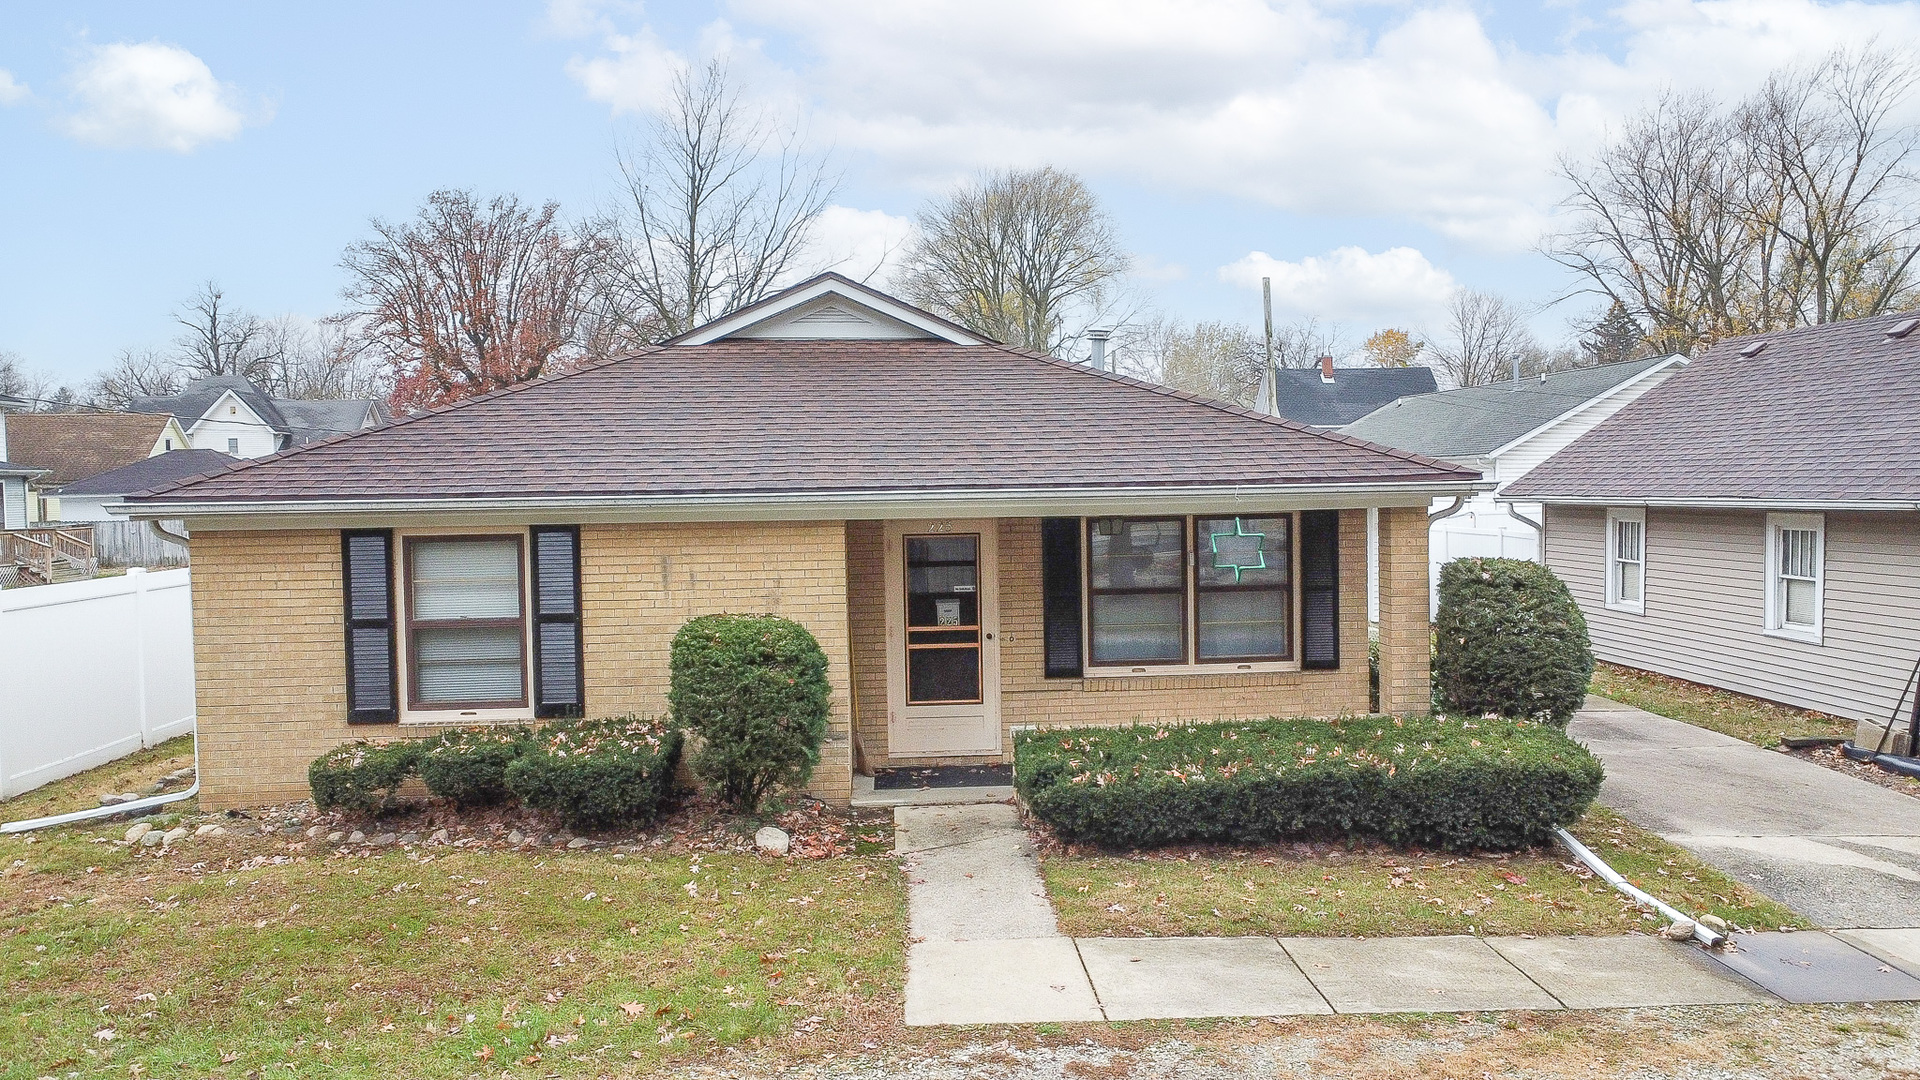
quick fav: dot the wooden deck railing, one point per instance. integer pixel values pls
(50, 553)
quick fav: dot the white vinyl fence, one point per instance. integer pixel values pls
(93, 670)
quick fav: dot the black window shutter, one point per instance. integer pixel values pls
(366, 561)
(559, 688)
(1060, 592)
(1320, 590)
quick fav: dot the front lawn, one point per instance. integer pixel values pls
(1365, 890)
(1762, 723)
(135, 773)
(235, 955)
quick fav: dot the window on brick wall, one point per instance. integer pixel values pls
(1189, 591)
(466, 625)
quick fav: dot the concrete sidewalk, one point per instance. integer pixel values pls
(986, 949)
(1841, 851)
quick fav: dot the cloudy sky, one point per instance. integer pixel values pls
(1367, 157)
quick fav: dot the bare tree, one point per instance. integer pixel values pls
(1795, 207)
(1013, 254)
(134, 373)
(1214, 359)
(320, 362)
(719, 204)
(1486, 334)
(470, 297)
(219, 338)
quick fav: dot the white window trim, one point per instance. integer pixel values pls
(1610, 585)
(402, 597)
(1776, 624)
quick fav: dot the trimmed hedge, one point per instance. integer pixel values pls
(1440, 783)
(754, 688)
(469, 766)
(361, 776)
(1509, 640)
(596, 773)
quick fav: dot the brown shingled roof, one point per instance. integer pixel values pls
(815, 417)
(1821, 414)
(73, 446)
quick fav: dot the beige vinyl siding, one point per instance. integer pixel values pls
(1706, 606)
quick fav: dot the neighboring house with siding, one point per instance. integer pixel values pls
(980, 538)
(71, 446)
(14, 478)
(1504, 430)
(1754, 522)
(88, 499)
(230, 415)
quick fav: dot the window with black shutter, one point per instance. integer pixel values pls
(1320, 590)
(366, 558)
(1060, 591)
(559, 684)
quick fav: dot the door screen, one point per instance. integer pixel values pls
(943, 620)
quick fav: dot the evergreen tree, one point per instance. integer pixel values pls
(1617, 336)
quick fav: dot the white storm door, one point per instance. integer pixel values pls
(943, 653)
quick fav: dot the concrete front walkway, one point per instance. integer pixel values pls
(986, 949)
(1841, 851)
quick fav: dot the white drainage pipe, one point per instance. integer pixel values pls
(136, 806)
(1612, 877)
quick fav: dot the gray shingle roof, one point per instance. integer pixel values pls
(160, 469)
(192, 403)
(1301, 395)
(777, 419)
(311, 421)
(1823, 414)
(1477, 420)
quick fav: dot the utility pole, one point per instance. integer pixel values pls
(1266, 306)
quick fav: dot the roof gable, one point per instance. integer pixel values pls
(1821, 415)
(830, 307)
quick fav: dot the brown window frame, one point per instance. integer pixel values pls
(1185, 588)
(1288, 604)
(414, 703)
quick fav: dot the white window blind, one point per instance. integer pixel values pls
(467, 664)
(1799, 551)
(474, 585)
(466, 579)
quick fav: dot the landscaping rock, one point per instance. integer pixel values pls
(137, 830)
(773, 841)
(1714, 922)
(439, 836)
(336, 836)
(516, 838)
(580, 842)
(210, 829)
(113, 800)
(174, 835)
(384, 839)
(409, 838)
(356, 837)
(316, 832)
(1680, 931)
(151, 838)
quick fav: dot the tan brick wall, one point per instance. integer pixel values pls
(269, 653)
(1406, 637)
(867, 627)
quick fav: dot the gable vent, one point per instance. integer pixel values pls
(1752, 348)
(1902, 328)
(831, 314)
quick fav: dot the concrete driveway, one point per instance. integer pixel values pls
(1841, 851)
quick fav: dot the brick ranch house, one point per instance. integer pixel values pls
(981, 538)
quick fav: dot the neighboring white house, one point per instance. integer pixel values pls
(1504, 430)
(230, 415)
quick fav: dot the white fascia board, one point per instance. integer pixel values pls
(1707, 503)
(873, 301)
(1671, 361)
(1041, 502)
(208, 417)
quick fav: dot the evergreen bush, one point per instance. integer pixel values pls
(1427, 782)
(469, 766)
(1509, 640)
(361, 776)
(754, 688)
(598, 773)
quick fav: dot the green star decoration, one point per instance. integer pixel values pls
(1239, 532)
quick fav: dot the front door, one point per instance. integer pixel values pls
(943, 619)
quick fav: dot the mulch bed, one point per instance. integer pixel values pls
(1832, 758)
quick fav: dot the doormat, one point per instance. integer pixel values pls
(943, 776)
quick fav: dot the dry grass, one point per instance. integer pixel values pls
(1364, 890)
(1762, 723)
(232, 956)
(136, 773)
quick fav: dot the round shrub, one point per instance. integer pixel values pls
(597, 773)
(1509, 640)
(754, 688)
(361, 776)
(469, 766)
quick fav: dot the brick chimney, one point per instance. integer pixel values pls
(1326, 369)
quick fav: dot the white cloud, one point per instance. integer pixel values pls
(1299, 106)
(1398, 286)
(865, 245)
(11, 90)
(150, 95)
